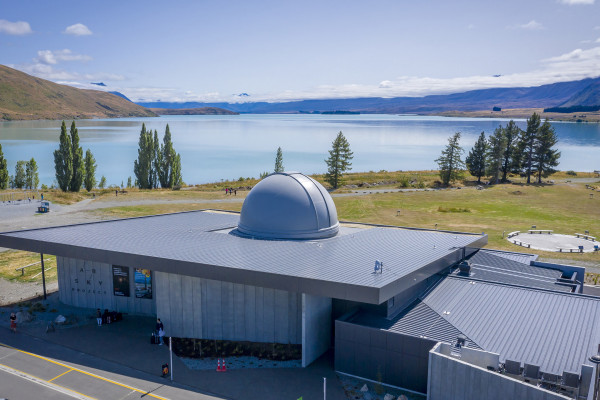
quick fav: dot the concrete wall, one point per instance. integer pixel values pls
(89, 284)
(200, 308)
(451, 378)
(316, 327)
(376, 354)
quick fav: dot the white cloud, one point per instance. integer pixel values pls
(49, 72)
(532, 25)
(15, 28)
(576, 2)
(385, 84)
(54, 57)
(78, 30)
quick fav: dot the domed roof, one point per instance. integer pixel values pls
(288, 205)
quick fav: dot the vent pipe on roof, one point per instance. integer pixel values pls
(464, 268)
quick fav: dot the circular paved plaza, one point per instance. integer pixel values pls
(553, 242)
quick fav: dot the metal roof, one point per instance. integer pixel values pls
(184, 243)
(557, 331)
(523, 258)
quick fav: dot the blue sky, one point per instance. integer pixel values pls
(280, 51)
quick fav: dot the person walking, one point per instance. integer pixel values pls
(13, 322)
(99, 317)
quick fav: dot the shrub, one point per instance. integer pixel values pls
(571, 173)
(453, 209)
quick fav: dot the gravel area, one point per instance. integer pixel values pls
(552, 242)
(242, 362)
(14, 292)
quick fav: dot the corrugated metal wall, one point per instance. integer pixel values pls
(208, 309)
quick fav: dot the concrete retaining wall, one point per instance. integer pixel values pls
(89, 284)
(200, 308)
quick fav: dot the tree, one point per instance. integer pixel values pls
(20, 179)
(32, 178)
(495, 152)
(476, 158)
(78, 171)
(176, 179)
(63, 160)
(156, 161)
(90, 171)
(102, 183)
(165, 173)
(338, 161)
(279, 161)
(544, 156)
(450, 163)
(129, 183)
(3, 170)
(526, 145)
(142, 167)
(510, 158)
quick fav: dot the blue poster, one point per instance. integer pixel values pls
(143, 283)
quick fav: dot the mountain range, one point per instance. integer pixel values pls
(582, 92)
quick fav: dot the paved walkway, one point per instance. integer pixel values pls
(127, 343)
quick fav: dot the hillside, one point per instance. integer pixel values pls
(25, 97)
(521, 97)
(589, 96)
(193, 111)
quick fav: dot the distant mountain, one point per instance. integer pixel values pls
(24, 97)
(589, 96)
(485, 99)
(193, 111)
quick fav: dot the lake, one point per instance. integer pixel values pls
(228, 147)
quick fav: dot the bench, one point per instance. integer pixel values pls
(523, 244)
(570, 249)
(511, 234)
(22, 269)
(540, 231)
(586, 237)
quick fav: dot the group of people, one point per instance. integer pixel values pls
(107, 317)
(231, 191)
(160, 331)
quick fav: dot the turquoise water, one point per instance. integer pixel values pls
(228, 147)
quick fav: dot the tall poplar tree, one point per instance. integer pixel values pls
(20, 180)
(338, 161)
(526, 145)
(3, 170)
(165, 172)
(78, 167)
(142, 167)
(63, 160)
(176, 178)
(279, 161)
(476, 158)
(32, 178)
(90, 171)
(156, 161)
(450, 162)
(545, 157)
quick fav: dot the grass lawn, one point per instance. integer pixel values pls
(12, 259)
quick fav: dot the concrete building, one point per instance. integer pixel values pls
(285, 270)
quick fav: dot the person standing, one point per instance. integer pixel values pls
(99, 317)
(161, 334)
(13, 322)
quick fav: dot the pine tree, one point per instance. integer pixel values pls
(338, 161)
(78, 167)
(476, 159)
(526, 145)
(279, 161)
(31, 174)
(90, 171)
(20, 179)
(510, 158)
(142, 167)
(494, 156)
(63, 160)
(450, 163)
(544, 156)
(4, 178)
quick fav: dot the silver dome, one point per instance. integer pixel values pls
(288, 205)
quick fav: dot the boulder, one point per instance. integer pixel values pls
(389, 397)
(60, 319)
(24, 316)
(365, 388)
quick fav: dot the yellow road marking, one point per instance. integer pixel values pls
(64, 373)
(85, 373)
(40, 379)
